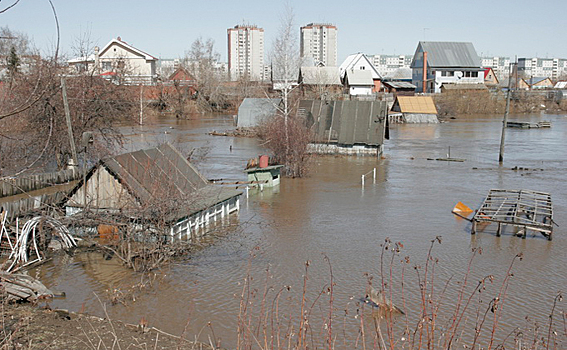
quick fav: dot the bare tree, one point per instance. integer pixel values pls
(286, 135)
(202, 62)
(285, 59)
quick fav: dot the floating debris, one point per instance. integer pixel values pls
(522, 209)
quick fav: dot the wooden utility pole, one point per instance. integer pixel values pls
(505, 120)
(68, 118)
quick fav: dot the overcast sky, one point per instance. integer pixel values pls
(167, 28)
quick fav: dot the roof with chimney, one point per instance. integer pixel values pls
(446, 54)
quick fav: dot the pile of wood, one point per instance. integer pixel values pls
(21, 287)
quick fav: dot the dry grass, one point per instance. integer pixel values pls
(465, 311)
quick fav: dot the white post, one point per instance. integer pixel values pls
(374, 175)
(247, 191)
(362, 180)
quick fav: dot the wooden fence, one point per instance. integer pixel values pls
(27, 193)
(10, 186)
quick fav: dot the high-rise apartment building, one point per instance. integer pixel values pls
(554, 68)
(246, 52)
(500, 65)
(318, 41)
(388, 64)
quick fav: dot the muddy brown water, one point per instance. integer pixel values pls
(330, 214)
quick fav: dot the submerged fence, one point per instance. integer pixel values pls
(373, 172)
(11, 186)
(23, 194)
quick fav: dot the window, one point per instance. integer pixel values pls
(446, 73)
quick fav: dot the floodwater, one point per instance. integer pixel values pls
(329, 214)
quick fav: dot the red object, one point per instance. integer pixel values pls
(264, 161)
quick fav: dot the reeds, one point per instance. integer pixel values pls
(464, 310)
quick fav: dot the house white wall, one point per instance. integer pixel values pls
(361, 90)
(117, 58)
(456, 77)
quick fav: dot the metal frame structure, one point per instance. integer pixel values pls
(523, 209)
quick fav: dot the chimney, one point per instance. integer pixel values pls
(424, 71)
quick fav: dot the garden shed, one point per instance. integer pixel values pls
(155, 181)
(253, 111)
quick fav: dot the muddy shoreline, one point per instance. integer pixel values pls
(26, 326)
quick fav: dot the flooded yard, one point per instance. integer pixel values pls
(329, 214)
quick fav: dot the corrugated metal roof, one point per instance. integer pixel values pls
(320, 76)
(252, 111)
(415, 104)
(359, 77)
(347, 122)
(399, 84)
(162, 172)
(447, 54)
(399, 74)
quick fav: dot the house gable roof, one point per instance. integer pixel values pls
(162, 172)
(181, 74)
(359, 78)
(539, 81)
(352, 62)
(414, 104)
(118, 41)
(445, 54)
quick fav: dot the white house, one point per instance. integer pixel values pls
(119, 59)
(445, 63)
(359, 82)
(360, 61)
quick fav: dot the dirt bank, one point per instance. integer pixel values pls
(29, 327)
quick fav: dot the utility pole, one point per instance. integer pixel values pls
(141, 105)
(505, 120)
(68, 118)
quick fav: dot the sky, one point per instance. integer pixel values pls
(167, 28)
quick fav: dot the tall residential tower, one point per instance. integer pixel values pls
(246, 52)
(318, 41)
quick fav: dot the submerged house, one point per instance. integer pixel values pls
(414, 109)
(156, 181)
(346, 127)
(254, 111)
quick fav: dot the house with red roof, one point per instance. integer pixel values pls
(490, 78)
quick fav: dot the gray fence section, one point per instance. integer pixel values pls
(25, 204)
(10, 186)
(27, 193)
